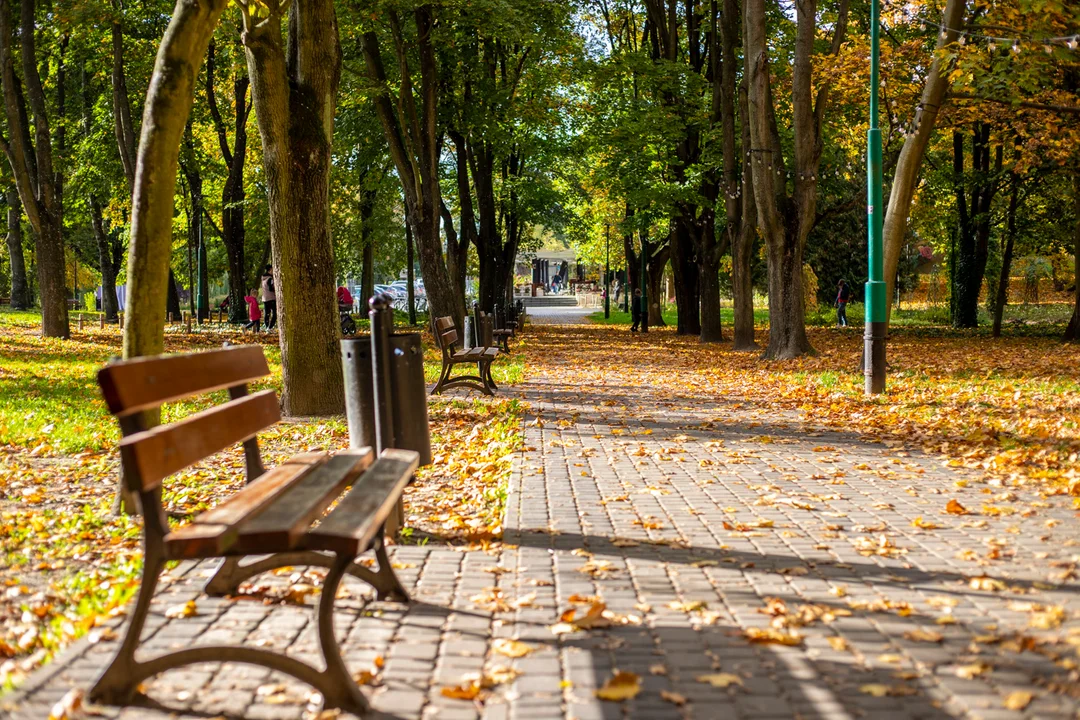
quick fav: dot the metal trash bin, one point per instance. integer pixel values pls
(408, 393)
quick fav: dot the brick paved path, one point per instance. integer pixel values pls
(687, 517)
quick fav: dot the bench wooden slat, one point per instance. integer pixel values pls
(159, 452)
(372, 498)
(144, 383)
(255, 496)
(281, 524)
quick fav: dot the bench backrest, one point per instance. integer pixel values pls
(150, 455)
(445, 332)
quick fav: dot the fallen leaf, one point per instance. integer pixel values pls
(1018, 699)
(720, 680)
(511, 648)
(673, 697)
(620, 686)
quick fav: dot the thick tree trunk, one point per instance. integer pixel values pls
(20, 288)
(685, 268)
(109, 305)
(294, 101)
(51, 269)
(711, 326)
(168, 104)
(906, 177)
(787, 327)
(785, 220)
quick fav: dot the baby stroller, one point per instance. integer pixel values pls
(348, 325)
(345, 306)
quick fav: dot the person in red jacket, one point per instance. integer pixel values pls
(254, 313)
(344, 299)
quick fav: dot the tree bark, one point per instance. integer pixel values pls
(785, 220)
(1072, 332)
(654, 277)
(410, 279)
(685, 268)
(232, 193)
(168, 104)
(20, 290)
(973, 239)
(40, 188)
(294, 92)
(1002, 298)
(738, 183)
(109, 305)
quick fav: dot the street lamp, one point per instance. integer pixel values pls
(607, 272)
(874, 334)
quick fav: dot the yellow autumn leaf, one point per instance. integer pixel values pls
(1018, 699)
(720, 680)
(620, 686)
(511, 648)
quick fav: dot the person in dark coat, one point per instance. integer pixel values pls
(843, 297)
(635, 311)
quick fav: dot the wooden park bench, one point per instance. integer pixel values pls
(446, 339)
(271, 515)
(500, 336)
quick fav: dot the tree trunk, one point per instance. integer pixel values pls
(294, 99)
(654, 278)
(1072, 332)
(233, 233)
(109, 305)
(906, 176)
(410, 279)
(40, 188)
(974, 222)
(711, 326)
(168, 104)
(685, 267)
(784, 220)
(367, 252)
(1007, 255)
(20, 289)
(742, 290)
(414, 147)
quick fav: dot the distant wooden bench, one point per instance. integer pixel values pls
(446, 339)
(272, 514)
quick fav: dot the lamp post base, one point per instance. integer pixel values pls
(874, 357)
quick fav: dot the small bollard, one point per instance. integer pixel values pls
(187, 321)
(121, 316)
(82, 319)
(101, 320)
(467, 342)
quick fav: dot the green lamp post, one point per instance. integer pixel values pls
(874, 334)
(607, 272)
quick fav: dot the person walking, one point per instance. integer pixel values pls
(254, 314)
(843, 296)
(635, 310)
(269, 297)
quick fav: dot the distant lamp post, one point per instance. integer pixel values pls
(607, 272)
(874, 334)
